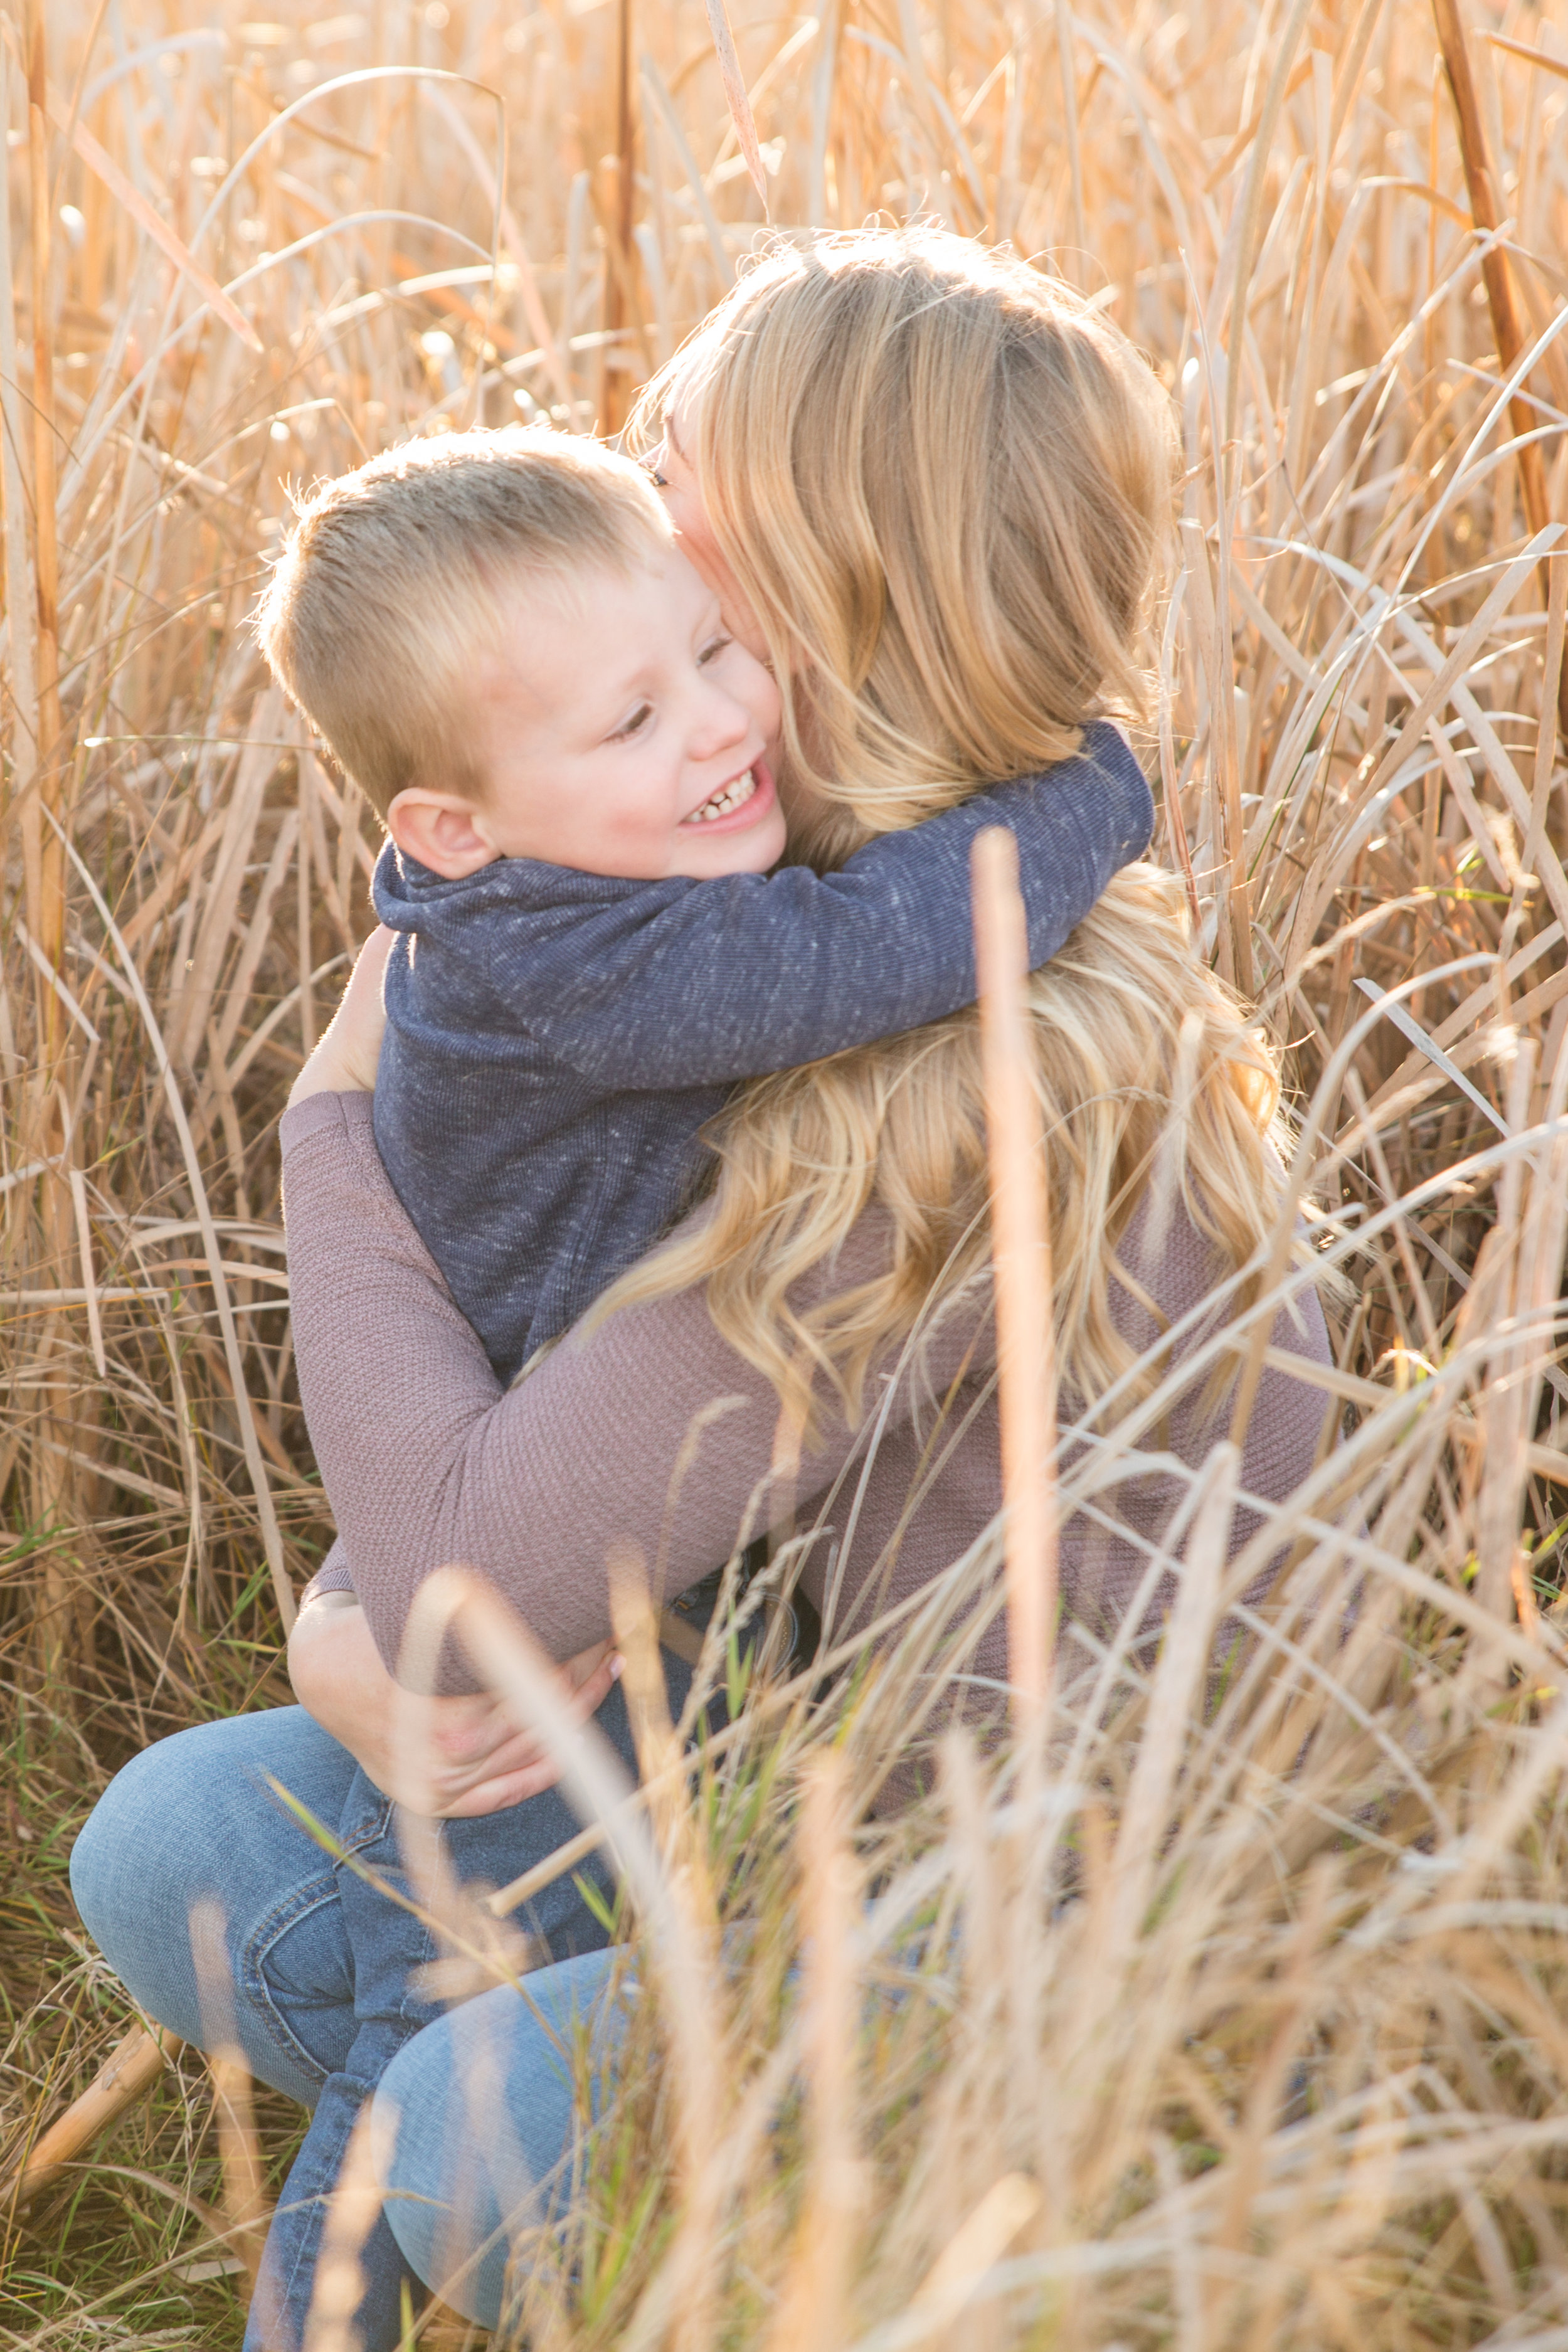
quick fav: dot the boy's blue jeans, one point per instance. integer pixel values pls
(320, 1963)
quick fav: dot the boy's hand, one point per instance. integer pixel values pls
(448, 1758)
(344, 1061)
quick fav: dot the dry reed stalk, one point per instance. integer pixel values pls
(244, 2199)
(135, 2064)
(620, 260)
(249, 1432)
(23, 696)
(243, 2193)
(772, 1704)
(126, 192)
(647, 1701)
(53, 1485)
(678, 2304)
(736, 99)
(1020, 1224)
(352, 2214)
(981, 2240)
(1067, 64)
(1501, 300)
(814, 2313)
(46, 560)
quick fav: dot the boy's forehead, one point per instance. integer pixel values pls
(586, 631)
(660, 582)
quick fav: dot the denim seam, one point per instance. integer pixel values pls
(267, 1933)
(417, 2010)
(274, 1924)
(414, 2010)
(373, 1826)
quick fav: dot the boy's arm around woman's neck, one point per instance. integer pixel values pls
(679, 983)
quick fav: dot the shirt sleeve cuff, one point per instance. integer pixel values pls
(344, 1112)
(333, 1576)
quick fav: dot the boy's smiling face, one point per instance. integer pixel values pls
(622, 731)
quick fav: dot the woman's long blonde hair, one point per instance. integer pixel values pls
(942, 482)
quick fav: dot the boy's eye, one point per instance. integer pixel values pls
(634, 725)
(713, 648)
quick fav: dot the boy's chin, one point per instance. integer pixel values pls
(754, 851)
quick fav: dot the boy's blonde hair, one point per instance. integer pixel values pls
(941, 481)
(395, 582)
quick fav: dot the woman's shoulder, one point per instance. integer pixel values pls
(1169, 1271)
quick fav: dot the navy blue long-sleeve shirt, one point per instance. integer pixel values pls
(556, 1040)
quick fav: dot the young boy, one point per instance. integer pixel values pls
(499, 640)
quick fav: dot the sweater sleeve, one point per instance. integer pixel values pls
(429, 1461)
(740, 975)
(333, 1576)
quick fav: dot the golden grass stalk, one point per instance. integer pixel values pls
(351, 2215)
(814, 2300)
(1026, 1385)
(1507, 324)
(244, 2200)
(666, 1888)
(127, 2074)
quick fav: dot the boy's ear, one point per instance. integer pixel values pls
(438, 829)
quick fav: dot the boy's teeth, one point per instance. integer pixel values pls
(732, 797)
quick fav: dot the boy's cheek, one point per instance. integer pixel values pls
(748, 674)
(767, 707)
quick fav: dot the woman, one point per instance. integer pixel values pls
(930, 489)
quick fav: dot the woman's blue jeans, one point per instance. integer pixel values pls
(321, 2004)
(480, 2124)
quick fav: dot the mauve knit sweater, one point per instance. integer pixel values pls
(428, 1460)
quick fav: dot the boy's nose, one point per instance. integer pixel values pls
(722, 723)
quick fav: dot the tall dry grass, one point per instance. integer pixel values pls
(1247, 2032)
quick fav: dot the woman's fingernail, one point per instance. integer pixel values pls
(617, 1664)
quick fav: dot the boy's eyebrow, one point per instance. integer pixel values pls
(639, 678)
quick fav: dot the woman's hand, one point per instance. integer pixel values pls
(449, 1759)
(344, 1061)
